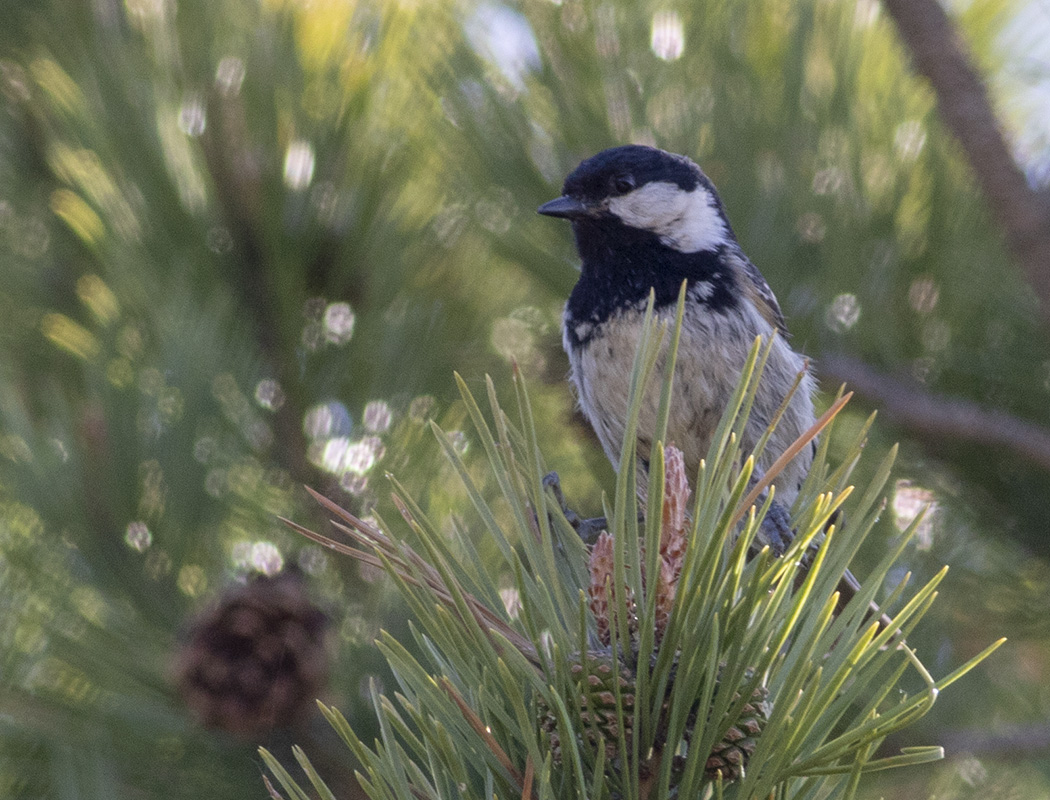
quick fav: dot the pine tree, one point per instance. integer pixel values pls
(244, 244)
(665, 663)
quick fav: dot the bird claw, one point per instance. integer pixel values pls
(590, 529)
(775, 529)
(587, 529)
(553, 482)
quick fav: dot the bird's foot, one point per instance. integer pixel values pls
(775, 529)
(587, 529)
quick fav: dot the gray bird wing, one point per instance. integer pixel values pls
(755, 288)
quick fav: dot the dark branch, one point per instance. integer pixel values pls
(941, 56)
(1016, 741)
(927, 415)
(239, 193)
(1010, 742)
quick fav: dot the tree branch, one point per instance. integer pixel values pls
(239, 194)
(941, 56)
(932, 416)
(1015, 742)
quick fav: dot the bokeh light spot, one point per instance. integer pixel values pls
(204, 449)
(170, 404)
(327, 419)
(811, 227)
(192, 119)
(827, 181)
(494, 211)
(459, 442)
(70, 336)
(229, 75)
(98, 297)
(378, 416)
(511, 601)
(909, 139)
(420, 407)
(14, 448)
(215, 482)
(843, 313)
(338, 323)
(77, 214)
(120, 373)
(158, 564)
(299, 165)
(668, 38)
(137, 536)
(90, 603)
(515, 338)
(936, 335)
(269, 395)
(192, 581)
(341, 455)
(910, 500)
(923, 295)
(503, 36)
(354, 484)
(312, 560)
(265, 558)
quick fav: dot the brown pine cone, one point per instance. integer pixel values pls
(257, 659)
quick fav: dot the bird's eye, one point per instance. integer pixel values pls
(622, 184)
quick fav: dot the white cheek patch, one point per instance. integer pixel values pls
(687, 221)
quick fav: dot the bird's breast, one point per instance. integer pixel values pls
(714, 346)
(706, 372)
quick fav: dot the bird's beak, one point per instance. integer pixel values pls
(565, 207)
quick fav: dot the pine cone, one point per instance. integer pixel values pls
(596, 677)
(596, 674)
(601, 591)
(257, 659)
(729, 756)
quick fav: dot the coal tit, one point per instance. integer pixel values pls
(645, 219)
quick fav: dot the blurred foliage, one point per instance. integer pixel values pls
(244, 243)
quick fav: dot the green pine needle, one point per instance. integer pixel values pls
(509, 703)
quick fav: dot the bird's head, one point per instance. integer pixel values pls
(646, 189)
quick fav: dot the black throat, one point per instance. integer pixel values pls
(620, 266)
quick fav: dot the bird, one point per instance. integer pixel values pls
(645, 220)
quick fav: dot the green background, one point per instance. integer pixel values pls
(244, 244)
